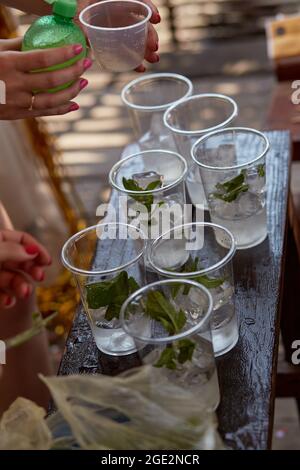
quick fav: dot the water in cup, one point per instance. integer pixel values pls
(243, 211)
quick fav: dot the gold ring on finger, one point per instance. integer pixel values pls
(32, 102)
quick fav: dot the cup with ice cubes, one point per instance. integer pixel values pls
(107, 262)
(151, 190)
(232, 163)
(192, 251)
(170, 339)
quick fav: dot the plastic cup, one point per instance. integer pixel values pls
(155, 341)
(192, 118)
(117, 31)
(106, 260)
(192, 251)
(232, 163)
(147, 98)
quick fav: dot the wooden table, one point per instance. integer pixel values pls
(247, 374)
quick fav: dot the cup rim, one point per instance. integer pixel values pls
(231, 129)
(102, 28)
(154, 191)
(178, 336)
(225, 260)
(160, 107)
(81, 233)
(207, 129)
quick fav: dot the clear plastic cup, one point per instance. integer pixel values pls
(147, 98)
(232, 164)
(117, 31)
(151, 190)
(169, 338)
(107, 262)
(192, 251)
(190, 119)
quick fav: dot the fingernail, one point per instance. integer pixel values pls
(78, 49)
(8, 301)
(32, 249)
(83, 83)
(42, 277)
(49, 262)
(158, 17)
(156, 47)
(74, 107)
(87, 63)
(157, 58)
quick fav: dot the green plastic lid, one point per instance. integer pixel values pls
(66, 8)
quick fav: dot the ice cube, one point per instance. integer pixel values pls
(256, 183)
(222, 294)
(224, 210)
(249, 204)
(171, 255)
(171, 211)
(147, 177)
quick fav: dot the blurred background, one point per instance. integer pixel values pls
(221, 45)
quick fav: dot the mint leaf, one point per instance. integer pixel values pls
(232, 184)
(209, 282)
(153, 185)
(186, 349)
(167, 358)
(175, 289)
(145, 199)
(130, 185)
(231, 189)
(261, 170)
(182, 353)
(98, 294)
(160, 309)
(133, 285)
(192, 266)
(111, 294)
(113, 311)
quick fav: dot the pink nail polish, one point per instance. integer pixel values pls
(83, 83)
(78, 49)
(74, 107)
(42, 277)
(32, 249)
(87, 63)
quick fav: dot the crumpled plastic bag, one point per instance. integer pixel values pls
(140, 409)
(23, 426)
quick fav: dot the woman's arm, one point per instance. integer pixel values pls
(19, 377)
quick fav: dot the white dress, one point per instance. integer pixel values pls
(26, 194)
